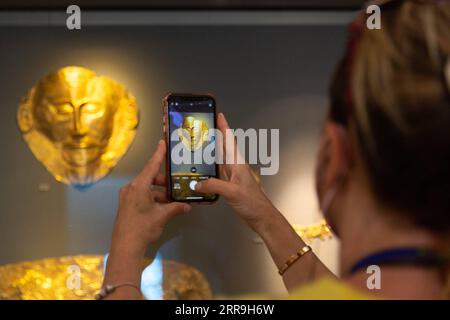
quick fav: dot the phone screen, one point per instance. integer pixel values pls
(191, 145)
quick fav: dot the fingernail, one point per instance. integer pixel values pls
(161, 141)
(197, 186)
(221, 115)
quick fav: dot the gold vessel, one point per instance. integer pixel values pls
(53, 279)
(320, 230)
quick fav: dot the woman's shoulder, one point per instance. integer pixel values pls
(326, 288)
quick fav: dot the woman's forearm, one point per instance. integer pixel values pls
(282, 242)
(124, 266)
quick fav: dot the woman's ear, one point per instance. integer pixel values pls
(334, 157)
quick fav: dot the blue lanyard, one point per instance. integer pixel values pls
(402, 256)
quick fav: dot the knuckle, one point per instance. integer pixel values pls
(234, 191)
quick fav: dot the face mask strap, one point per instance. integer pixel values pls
(330, 194)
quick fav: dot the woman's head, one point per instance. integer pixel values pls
(390, 110)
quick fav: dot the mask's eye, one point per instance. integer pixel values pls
(63, 108)
(91, 108)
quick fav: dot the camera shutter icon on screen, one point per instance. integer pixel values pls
(78, 124)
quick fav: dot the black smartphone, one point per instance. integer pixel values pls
(189, 130)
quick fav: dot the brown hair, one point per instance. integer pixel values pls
(392, 87)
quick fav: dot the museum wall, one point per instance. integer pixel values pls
(263, 77)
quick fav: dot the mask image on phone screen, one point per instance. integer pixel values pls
(191, 124)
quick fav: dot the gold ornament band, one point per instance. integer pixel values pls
(295, 257)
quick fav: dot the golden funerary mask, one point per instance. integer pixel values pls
(193, 133)
(78, 124)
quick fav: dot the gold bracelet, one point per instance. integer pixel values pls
(300, 253)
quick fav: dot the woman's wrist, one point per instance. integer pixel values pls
(124, 264)
(263, 226)
(126, 241)
(127, 247)
(275, 228)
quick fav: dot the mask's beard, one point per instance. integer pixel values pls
(81, 164)
(81, 176)
(81, 157)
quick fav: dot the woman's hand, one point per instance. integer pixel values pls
(239, 187)
(143, 211)
(142, 215)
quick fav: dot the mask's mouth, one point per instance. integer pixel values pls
(81, 154)
(79, 145)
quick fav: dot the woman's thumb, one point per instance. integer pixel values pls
(217, 186)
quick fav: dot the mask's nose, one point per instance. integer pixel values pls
(79, 131)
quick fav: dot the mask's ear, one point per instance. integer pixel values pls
(334, 158)
(24, 113)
